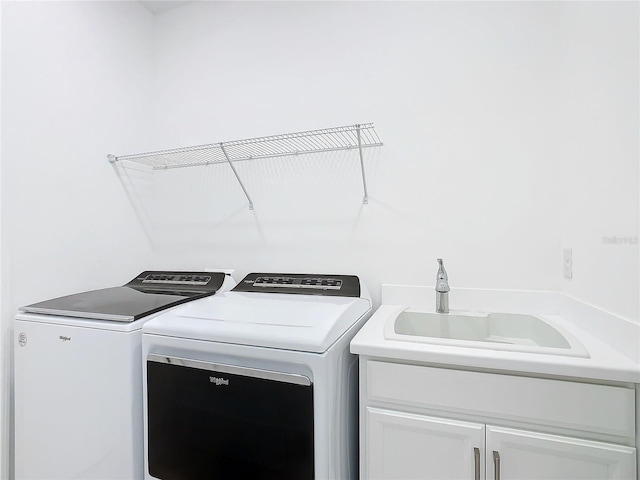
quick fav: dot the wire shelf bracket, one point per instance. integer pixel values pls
(350, 137)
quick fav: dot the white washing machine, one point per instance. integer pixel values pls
(257, 382)
(78, 378)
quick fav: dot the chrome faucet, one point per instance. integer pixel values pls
(442, 289)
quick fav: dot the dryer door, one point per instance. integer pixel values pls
(208, 420)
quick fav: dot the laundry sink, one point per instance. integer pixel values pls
(493, 331)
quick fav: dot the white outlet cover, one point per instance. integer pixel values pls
(567, 256)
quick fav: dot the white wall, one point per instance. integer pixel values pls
(4, 326)
(510, 130)
(462, 94)
(76, 85)
(510, 133)
(598, 152)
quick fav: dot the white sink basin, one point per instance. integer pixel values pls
(493, 331)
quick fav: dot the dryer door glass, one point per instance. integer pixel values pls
(210, 420)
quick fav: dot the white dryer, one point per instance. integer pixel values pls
(257, 382)
(78, 378)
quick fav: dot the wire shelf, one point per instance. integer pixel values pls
(349, 137)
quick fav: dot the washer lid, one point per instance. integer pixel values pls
(285, 321)
(148, 293)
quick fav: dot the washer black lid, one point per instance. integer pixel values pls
(148, 293)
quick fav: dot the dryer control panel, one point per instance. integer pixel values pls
(297, 283)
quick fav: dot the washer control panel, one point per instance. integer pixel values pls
(311, 284)
(180, 279)
(206, 282)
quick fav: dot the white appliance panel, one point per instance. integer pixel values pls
(62, 432)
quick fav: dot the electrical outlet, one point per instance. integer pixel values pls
(567, 262)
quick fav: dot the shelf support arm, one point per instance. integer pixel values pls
(236, 174)
(365, 200)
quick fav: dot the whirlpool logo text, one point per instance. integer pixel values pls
(219, 381)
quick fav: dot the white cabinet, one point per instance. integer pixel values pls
(523, 455)
(407, 446)
(424, 423)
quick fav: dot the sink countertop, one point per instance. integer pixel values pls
(605, 363)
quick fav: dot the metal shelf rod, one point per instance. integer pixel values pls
(237, 177)
(365, 200)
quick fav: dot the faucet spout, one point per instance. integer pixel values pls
(442, 289)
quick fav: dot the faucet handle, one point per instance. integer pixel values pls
(442, 279)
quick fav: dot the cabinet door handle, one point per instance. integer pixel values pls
(476, 459)
(496, 465)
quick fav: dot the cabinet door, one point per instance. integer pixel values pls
(403, 446)
(521, 455)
